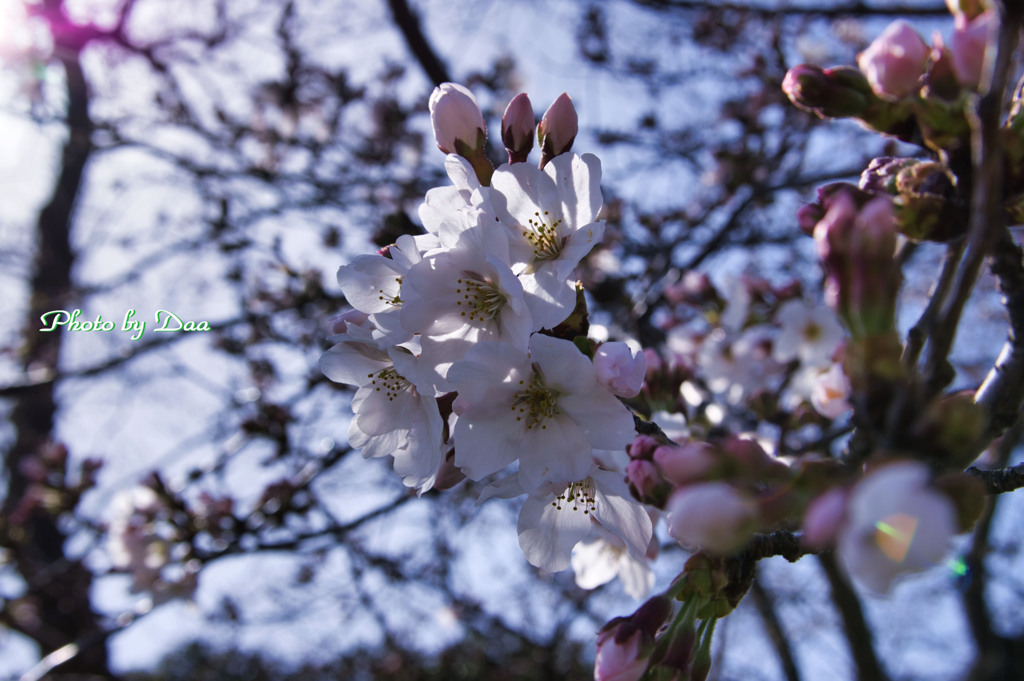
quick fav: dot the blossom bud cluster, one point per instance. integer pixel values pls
(146, 543)
(452, 344)
(905, 87)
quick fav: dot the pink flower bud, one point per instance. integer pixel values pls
(689, 463)
(643, 447)
(456, 118)
(557, 130)
(828, 93)
(620, 369)
(895, 61)
(642, 476)
(862, 277)
(824, 517)
(623, 644)
(517, 128)
(619, 661)
(714, 516)
(971, 42)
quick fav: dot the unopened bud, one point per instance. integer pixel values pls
(857, 248)
(828, 93)
(972, 42)
(459, 127)
(895, 61)
(557, 129)
(517, 128)
(456, 118)
(714, 516)
(686, 464)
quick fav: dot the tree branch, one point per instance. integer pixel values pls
(765, 604)
(858, 632)
(421, 49)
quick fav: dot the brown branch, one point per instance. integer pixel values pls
(421, 49)
(765, 604)
(987, 221)
(858, 632)
(1002, 391)
(64, 615)
(1000, 481)
(851, 9)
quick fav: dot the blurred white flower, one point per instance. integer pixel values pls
(896, 523)
(810, 334)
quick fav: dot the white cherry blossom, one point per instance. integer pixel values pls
(546, 409)
(392, 415)
(372, 284)
(552, 218)
(552, 523)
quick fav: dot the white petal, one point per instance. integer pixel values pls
(547, 534)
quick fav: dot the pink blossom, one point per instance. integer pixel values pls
(686, 464)
(456, 117)
(970, 46)
(619, 660)
(620, 369)
(895, 61)
(713, 516)
(557, 130)
(824, 517)
(517, 128)
(642, 476)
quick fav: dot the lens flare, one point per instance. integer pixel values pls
(894, 535)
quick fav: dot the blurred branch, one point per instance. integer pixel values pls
(765, 604)
(64, 614)
(858, 631)
(852, 9)
(421, 49)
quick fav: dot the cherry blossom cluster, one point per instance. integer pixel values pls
(465, 351)
(468, 349)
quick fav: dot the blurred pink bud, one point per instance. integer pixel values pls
(456, 117)
(972, 39)
(618, 661)
(895, 61)
(824, 517)
(557, 130)
(642, 476)
(517, 128)
(653, 359)
(620, 369)
(643, 447)
(689, 463)
(713, 516)
(751, 459)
